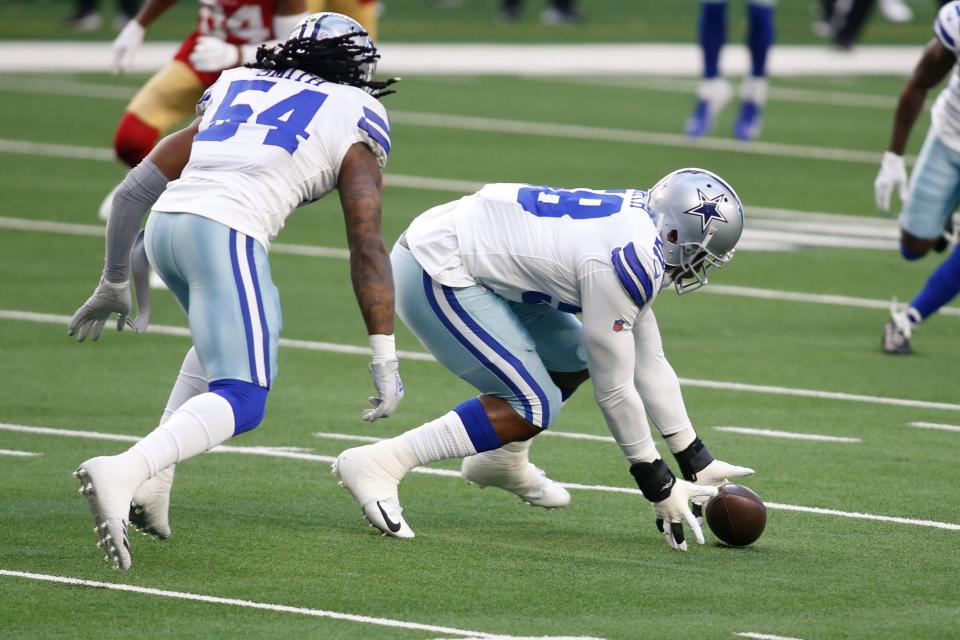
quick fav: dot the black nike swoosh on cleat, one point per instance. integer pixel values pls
(393, 526)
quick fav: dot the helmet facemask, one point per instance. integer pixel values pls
(695, 260)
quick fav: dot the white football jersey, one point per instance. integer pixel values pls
(945, 114)
(532, 244)
(268, 142)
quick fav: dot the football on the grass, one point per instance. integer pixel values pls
(736, 515)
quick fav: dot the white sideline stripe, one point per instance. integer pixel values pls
(789, 435)
(48, 318)
(935, 425)
(762, 636)
(286, 452)
(797, 296)
(605, 134)
(15, 453)
(668, 59)
(248, 604)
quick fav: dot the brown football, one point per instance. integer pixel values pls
(736, 515)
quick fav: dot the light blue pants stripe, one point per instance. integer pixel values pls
(222, 280)
(505, 349)
(934, 189)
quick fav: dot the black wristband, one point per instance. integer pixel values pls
(693, 459)
(654, 479)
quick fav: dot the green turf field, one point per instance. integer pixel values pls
(477, 21)
(275, 528)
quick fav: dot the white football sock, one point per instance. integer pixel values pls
(199, 425)
(191, 381)
(441, 439)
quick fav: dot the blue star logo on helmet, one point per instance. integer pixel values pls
(708, 209)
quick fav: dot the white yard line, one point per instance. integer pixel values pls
(98, 230)
(775, 93)
(629, 136)
(15, 453)
(549, 433)
(295, 453)
(817, 298)
(763, 235)
(250, 604)
(762, 636)
(788, 435)
(935, 426)
(538, 129)
(48, 318)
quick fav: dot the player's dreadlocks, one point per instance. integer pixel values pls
(337, 59)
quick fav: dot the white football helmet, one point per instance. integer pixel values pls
(318, 26)
(699, 218)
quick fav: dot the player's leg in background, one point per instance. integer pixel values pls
(222, 279)
(85, 16)
(473, 333)
(933, 196)
(849, 18)
(713, 92)
(510, 10)
(561, 12)
(753, 91)
(558, 338)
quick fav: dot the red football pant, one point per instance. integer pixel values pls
(134, 139)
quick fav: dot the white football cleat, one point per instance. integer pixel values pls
(363, 471)
(510, 469)
(150, 507)
(109, 501)
(899, 329)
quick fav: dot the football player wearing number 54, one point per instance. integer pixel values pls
(491, 285)
(303, 120)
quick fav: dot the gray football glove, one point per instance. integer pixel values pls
(386, 379)
(107, 299)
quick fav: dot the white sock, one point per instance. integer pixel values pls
(680, 437)
(199, 425)
(191, 382)
(441, 439)
(754, 89)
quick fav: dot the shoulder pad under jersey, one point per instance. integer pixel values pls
(946, 28)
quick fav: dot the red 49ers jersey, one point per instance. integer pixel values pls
(237, 21)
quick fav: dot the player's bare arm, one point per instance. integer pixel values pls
(172, 153)
(153, 9)
(359, 185)
(936, 63)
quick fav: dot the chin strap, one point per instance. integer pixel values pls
(140, 271)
